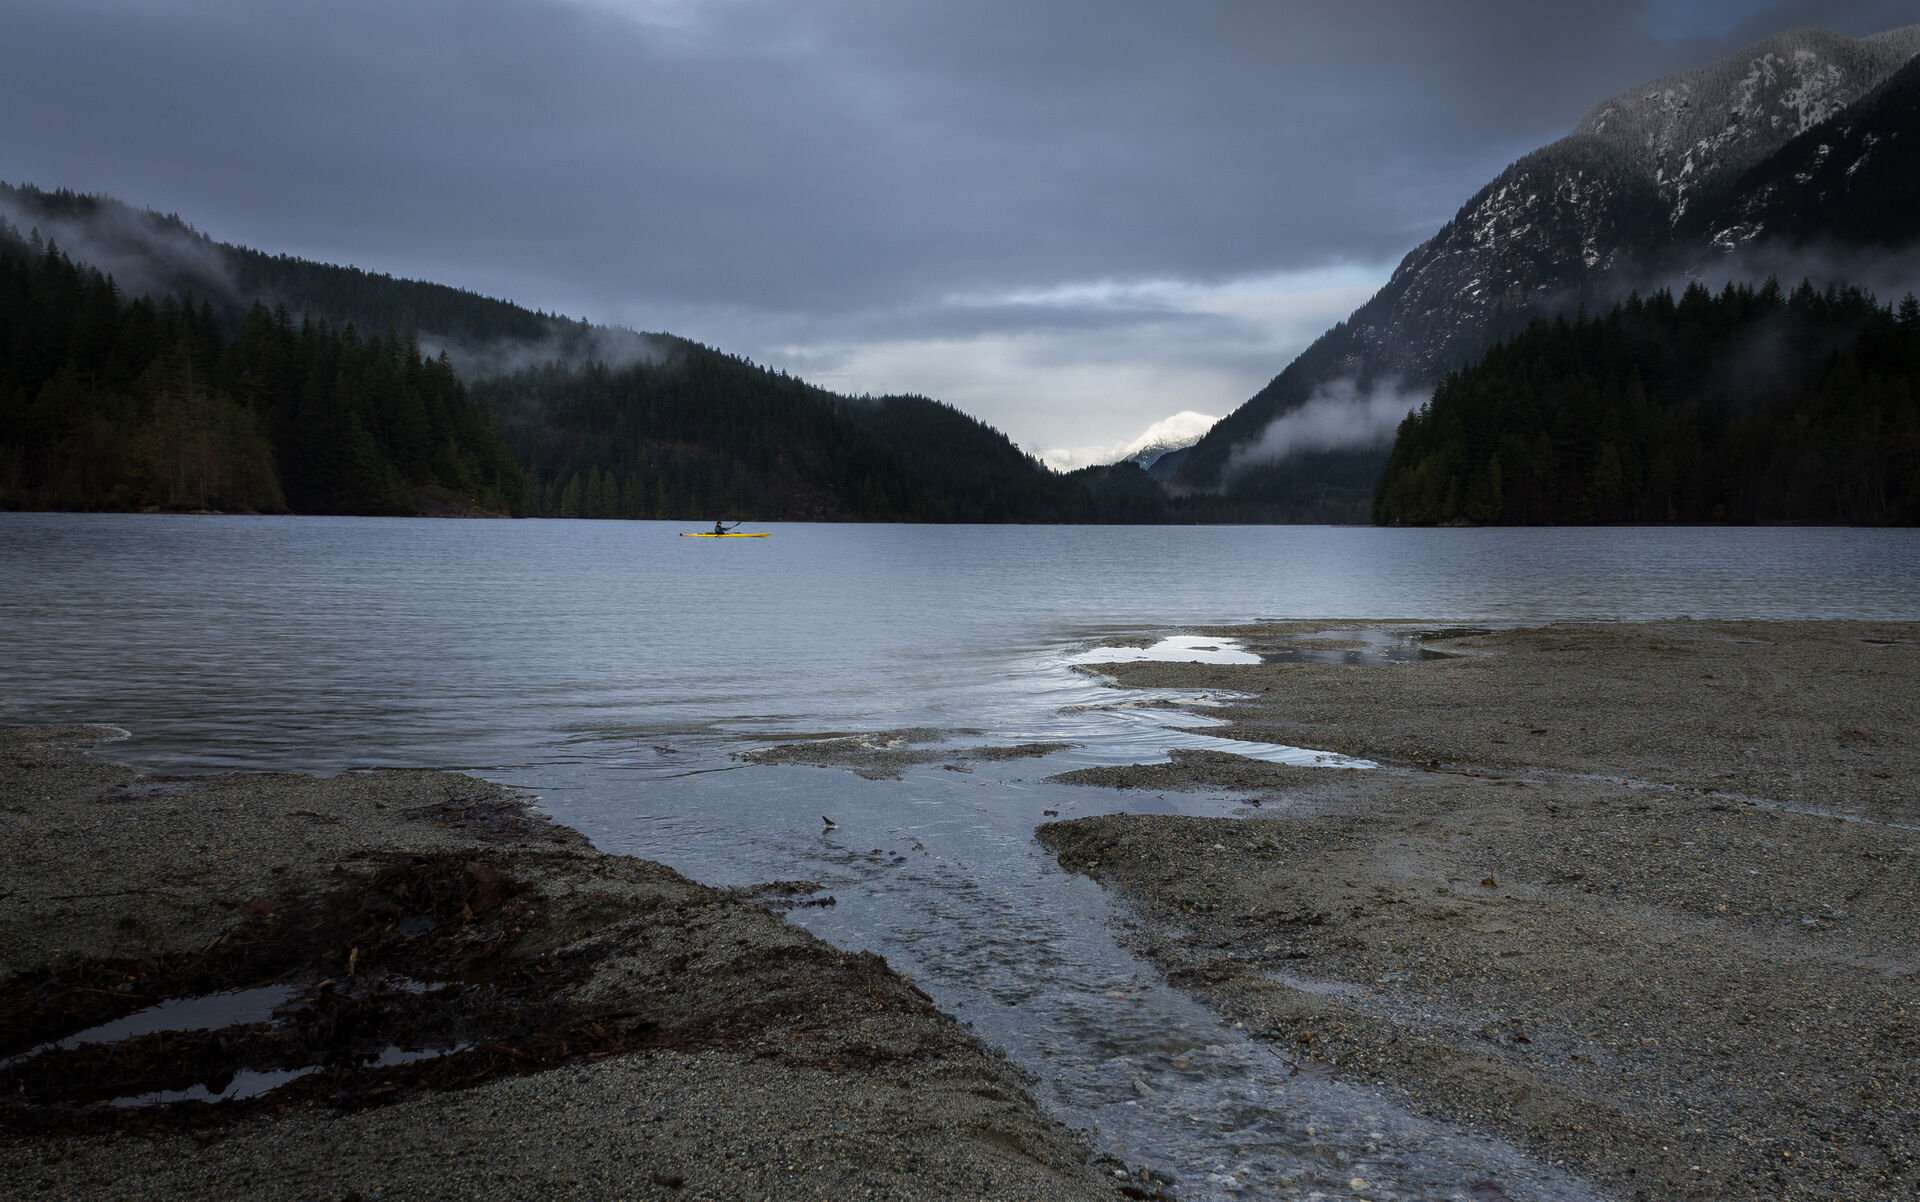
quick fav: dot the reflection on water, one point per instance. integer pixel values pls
(1174, 649)
(616, 670)
(209, 1012)
(251, 1083)
(1361, 646)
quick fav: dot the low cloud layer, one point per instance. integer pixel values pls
(1339, 416)
(568, 345)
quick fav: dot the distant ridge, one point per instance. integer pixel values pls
(1169, 436)
(601, 422)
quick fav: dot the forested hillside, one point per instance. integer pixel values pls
(975, 471)
(1767, 161)
(238, 380)
(697, 434)
(1752, 406)
(112, 403)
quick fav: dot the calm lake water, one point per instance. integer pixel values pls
(332, 643)
(616, 670)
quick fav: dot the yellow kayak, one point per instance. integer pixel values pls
(711, 534)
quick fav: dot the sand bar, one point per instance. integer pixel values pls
(1644, 899)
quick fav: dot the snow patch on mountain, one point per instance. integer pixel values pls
(1688, 131)
(1168, 434)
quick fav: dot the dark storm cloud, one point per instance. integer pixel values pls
(777, 171)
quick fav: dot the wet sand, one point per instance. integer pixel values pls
(559, 1022)
(1583, 906)
(890, 754)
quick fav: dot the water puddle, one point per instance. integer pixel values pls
(1174, 649)
(245, 1083)
(1154, 747)
(238, 1015)
(1367, 646)
(209, 1012)
(1361, 646)
(251, 1083)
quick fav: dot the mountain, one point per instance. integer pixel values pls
(694, 434)
(149, 253)
(325, 389)
(1850, 184)
(1623, 201)
(1126, 493)
(1166, 465)
(974, 471)
(1167, 436)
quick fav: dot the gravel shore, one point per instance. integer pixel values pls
(466, 1002)
(1644, 899)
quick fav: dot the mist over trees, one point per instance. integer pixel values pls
(1752, 406)
(556, 418)
(241, 405)
(115, 403)
(159, 254)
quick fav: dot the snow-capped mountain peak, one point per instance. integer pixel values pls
(1163, 437)
(1183, 429)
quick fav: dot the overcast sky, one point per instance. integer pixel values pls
(1068, 217)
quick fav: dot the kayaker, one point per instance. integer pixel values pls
(720, 527)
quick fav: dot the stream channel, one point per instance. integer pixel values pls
(938, 870)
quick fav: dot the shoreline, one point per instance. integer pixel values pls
(1586, 904)
(453, 997)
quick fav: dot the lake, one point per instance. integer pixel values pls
(617, 670)
(338, 642)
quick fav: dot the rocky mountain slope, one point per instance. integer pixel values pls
(1850, 183)
(1616, 203)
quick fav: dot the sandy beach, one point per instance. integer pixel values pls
(456, 999)
(1644, 899)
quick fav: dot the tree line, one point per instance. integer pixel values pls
(696, 434)
(248, 385)
(111, 402)
(1754, 405)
